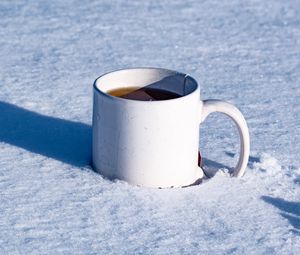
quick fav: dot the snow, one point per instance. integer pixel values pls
(245, 52)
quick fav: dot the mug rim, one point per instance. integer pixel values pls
(142, 101)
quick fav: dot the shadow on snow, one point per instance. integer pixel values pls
(288, 210)
(64, 140)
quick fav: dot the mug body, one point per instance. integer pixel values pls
(147, 143)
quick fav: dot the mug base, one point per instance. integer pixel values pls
(197, 180)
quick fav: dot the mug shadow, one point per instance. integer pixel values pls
(63, 140)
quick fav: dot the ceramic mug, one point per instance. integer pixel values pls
(155, 143)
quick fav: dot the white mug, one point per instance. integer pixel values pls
(155, 143)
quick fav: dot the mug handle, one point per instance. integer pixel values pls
(213, 105)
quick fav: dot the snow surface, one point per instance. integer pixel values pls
(245, 52)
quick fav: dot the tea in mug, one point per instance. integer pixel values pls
(143, 94)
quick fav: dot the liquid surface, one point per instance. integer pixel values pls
(143, 94)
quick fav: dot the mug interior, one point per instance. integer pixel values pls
(155, 78)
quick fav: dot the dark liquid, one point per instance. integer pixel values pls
(143, 94)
